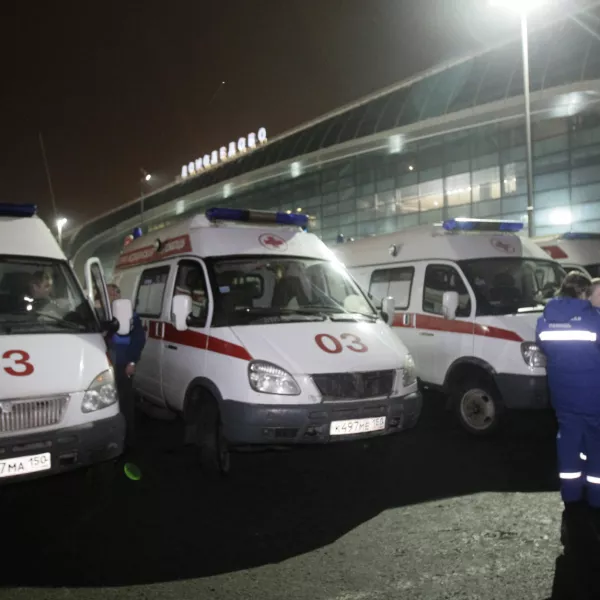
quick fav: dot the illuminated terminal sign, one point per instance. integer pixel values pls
(253, 140)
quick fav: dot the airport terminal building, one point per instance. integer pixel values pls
(447, 143)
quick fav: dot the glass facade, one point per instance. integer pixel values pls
(478, 172)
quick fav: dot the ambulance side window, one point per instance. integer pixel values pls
(395, 282)
(190, 281)
(151, 290)
(440, 279)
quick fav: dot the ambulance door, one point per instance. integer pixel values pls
(184, 352)
(151, 308)
(441, 340)
(96, 291)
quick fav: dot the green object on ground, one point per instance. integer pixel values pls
(132, 471)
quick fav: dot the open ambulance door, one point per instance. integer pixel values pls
(119, 316)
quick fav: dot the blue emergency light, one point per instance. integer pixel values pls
(256, 216)
(137, 233)
(462, 224)
(572, 235)
(17, 210)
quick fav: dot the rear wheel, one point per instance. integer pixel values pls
(479, 407)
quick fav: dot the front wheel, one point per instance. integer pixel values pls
(215, 457)
(479, 407)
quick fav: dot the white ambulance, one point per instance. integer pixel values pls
(574, 251)
(58, 403)
(466, 294)
(258, 335)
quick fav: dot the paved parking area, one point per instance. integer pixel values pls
(431, 513)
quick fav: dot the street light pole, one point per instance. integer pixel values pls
(528, 143)
(145, 178)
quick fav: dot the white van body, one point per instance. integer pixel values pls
(574, 251)
(466, 305)
(58, 403)
(281, 346)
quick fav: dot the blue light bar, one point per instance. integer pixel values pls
(461, 224)
(256, 216)
(17, 210)
(137, 233)
(572, 235)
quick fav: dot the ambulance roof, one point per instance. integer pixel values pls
(576, 248)
(435, 243)
(22, 233)
(199, 236)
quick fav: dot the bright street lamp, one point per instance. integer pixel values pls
(148, 177)
(60, 224)
(524, 7)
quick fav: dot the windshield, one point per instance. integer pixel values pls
(263, 290)
(41, 296)
(510, 285)
(593, 270)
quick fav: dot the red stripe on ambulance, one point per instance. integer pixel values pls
(195, 339)
(433, 323)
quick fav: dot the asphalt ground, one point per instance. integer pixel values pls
(430, 513)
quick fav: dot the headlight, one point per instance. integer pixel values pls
(269, 379)
(533, 356)
(101, 393)
(409, 371)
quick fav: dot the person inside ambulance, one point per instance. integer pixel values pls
(125, 352)
(595, 292)
(40, 295)
(568, 333)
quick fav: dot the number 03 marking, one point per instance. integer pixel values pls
(20, 360)
(332, 345)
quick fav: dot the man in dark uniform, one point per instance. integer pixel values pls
(569, 335)
(125, 352)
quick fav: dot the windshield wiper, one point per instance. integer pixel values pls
(276, 311)
(61, 321)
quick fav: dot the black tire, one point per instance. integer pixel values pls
(214, 454)
(479, 407)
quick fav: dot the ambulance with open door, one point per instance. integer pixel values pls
(257, 335)
(58, 403)
(466, 296)
(574, 251)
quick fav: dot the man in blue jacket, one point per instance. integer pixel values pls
(125, 352)
(569, 335)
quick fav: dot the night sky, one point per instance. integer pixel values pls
(116, 86)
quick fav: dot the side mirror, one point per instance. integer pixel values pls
(388, 309)
(181, 309)
(123, 313)
(449, 304)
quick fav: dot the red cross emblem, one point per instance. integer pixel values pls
(273, 242)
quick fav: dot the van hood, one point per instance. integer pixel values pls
(511, 327)
(48, 364)
(324, 347)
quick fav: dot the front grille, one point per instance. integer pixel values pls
(21, 415)
(354, 386)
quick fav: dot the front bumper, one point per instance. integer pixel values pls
(69, 448)
(523, 391)
(245, 423)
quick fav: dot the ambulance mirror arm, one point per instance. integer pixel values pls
(181, 310)
(450, 305)
(388, 308)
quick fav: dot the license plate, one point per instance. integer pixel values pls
(354, 426)
(22, 465)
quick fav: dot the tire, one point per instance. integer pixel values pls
(479, 408)
(214, 454)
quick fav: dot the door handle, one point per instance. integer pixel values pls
(426, 333)
(171, 347)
